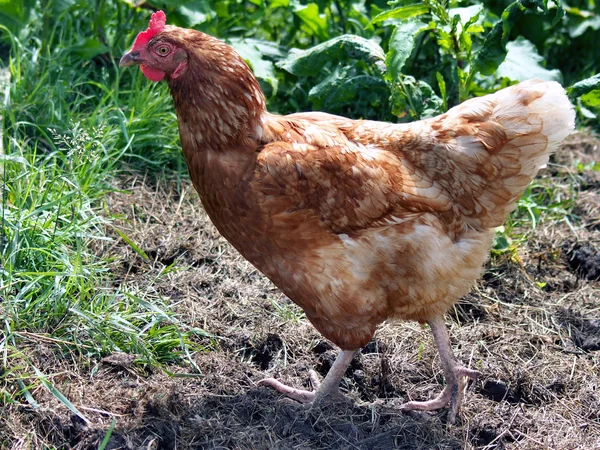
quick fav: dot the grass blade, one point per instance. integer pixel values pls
(133, 245)
(59, 395)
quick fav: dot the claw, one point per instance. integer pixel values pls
(454, 375)
(328, 390)
(451, 394)
(299, 395)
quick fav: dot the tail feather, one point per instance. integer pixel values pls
(535, 117)
(503, 139)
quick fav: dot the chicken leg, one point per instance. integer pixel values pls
(454, 375)
(329, 389)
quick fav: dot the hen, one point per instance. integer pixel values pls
(356, 221)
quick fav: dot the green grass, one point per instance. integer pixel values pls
(52, 284)
(68, 127)
(543, 201)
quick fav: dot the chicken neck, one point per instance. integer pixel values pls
(220, 105)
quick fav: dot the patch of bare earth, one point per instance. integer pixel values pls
(531, 326)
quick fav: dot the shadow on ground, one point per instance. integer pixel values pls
(258, 420)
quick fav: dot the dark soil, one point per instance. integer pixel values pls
(584, 260)
(531, 326)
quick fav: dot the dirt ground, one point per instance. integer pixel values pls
(531, 326)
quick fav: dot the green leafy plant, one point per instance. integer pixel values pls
(432, 45)
(586, 95)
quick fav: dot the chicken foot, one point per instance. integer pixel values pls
(454, 374)
(328, 389)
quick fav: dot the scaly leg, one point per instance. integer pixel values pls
(329, 389)
(454, 374)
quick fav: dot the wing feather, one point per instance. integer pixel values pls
(469, 165)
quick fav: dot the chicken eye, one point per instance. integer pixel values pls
(163, 50)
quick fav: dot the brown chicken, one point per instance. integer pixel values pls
(356, 221)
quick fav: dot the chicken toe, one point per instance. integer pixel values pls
(451, 394)
(300, 395)
(454, 375)
(327, 390)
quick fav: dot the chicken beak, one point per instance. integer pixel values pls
(130, 59)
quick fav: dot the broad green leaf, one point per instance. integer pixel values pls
(266, 48)
(467, 13)
(319, 92)
(402, 12)
(584, 86)
(591, 98)
(584, 111)
(588, 90)
(193, 13)
(60, 6)
(401, 45)
(430, 103)
(339, 89)
(493, 50)
(311, 62)
(524, 62)
(415, 97)
(350, 88)
(502, 243)
(453, 79)
(198, 5)
(578, 26)
(315, 22)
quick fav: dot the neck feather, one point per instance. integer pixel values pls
(219, 103)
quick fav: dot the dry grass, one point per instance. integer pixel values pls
(530, 326)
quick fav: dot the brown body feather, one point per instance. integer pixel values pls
(358, 221)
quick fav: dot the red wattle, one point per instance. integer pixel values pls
(152, 74)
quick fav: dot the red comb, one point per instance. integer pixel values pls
(157, 23)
